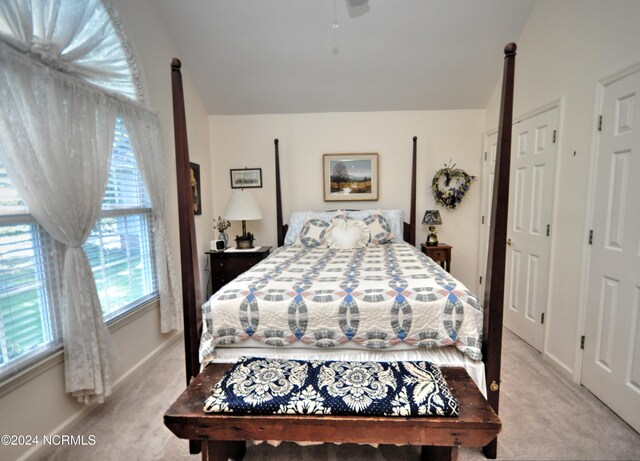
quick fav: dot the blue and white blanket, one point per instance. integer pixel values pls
(297, 387)
(377, 297)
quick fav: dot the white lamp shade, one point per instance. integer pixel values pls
(242, 206)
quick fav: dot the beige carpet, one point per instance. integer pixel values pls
(544, 416)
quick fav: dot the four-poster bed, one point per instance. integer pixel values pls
(477, 424)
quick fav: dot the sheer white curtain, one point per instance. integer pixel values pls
(145, 137)
(83, 38)
(57, 136)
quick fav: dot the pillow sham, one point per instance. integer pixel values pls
(378, 228)
(313, 233)
(394, 218)
(347, 234)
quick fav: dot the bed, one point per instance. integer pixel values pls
(302, 283)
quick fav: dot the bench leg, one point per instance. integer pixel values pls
(430, 453)
(222, 450)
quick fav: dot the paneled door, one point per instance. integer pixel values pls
(611, 358)
(533, 161)
(488, 172)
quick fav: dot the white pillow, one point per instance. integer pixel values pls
(313, 233)
(347, 234)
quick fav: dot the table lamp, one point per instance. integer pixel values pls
(432, 219)
(242, 206)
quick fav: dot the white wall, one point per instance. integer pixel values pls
(40, 406)
(565, 48)
(247, 141)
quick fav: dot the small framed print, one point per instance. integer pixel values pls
(350, 177)
(246, 178)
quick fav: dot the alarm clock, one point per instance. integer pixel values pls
(218, 245)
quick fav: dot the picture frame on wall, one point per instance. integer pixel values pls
(350, 177)
(246, 178)
(196, 195)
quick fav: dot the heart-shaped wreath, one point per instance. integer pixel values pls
(450, 184)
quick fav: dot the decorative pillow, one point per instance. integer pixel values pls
(395, 218)
(347, 234)
(378, 228)
(280, 386)
(313, 233)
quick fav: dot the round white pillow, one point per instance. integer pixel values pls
(347, 234)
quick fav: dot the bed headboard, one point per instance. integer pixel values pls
(409, 230)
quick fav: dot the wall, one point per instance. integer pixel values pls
(247, 141)
(565, 48)
(22, 408)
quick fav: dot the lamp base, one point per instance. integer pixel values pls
(432, 238)
(244, 242)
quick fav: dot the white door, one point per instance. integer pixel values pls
(611, 358)
(533, 160)
(488, 172)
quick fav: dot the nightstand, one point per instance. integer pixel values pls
(227, 265)
(440, 253)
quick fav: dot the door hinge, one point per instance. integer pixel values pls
(582, 342)
(554, 136)
(480, 282)
(485, 156)
(599, 122)
(548, 229)
(591, 237)
(542, 318)
(483, 220)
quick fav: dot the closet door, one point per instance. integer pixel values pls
(488, 172)
(533, 162)
(611, 358)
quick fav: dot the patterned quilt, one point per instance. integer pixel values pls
(298, 387)
(375, 297)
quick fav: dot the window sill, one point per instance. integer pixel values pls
(57, 357)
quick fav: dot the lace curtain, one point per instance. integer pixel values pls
(43, 112)
(144, 134)
(83, 38)
(56, 133)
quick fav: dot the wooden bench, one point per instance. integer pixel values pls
(224, 435)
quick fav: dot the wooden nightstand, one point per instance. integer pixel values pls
(227, 265)
(440, 253)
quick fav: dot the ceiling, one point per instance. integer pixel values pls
(287, 56)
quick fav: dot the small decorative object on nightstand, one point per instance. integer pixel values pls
(227, 265)
(440, 253)
(432, 219)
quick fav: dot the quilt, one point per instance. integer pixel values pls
(297, 387)
(377, 297)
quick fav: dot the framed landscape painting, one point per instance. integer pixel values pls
(350, 177)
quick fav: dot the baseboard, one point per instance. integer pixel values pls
(63, 427)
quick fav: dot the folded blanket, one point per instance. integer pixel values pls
(298, 387)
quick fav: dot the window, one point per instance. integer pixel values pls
(119, 250)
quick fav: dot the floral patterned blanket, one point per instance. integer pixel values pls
(375, 297)
(297, 387)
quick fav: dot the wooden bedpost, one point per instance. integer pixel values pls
(412, 215)
(494, 288)
(279, 228)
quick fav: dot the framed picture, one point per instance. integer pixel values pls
(350, 177)
(195, 188)
(246, 178)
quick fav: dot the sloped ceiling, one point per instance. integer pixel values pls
(288, 56)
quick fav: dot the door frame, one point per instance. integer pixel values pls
(601, 85)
